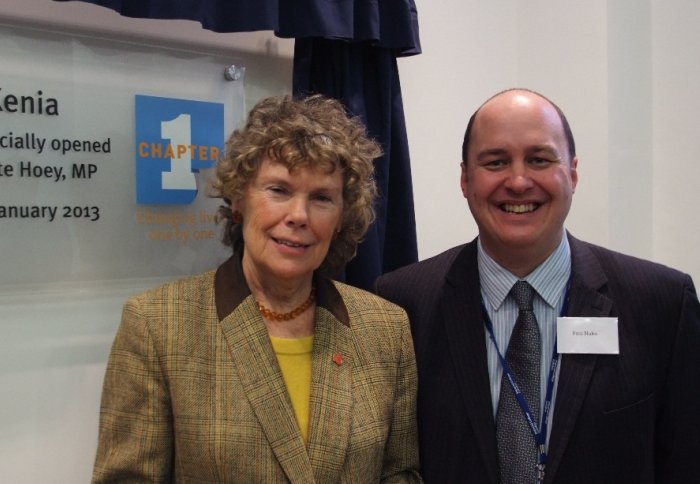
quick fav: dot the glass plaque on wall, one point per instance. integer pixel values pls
(106, 154)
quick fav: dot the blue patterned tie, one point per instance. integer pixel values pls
(517, 451)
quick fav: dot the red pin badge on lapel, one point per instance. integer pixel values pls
(338, 359)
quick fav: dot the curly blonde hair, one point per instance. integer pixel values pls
(312, 132)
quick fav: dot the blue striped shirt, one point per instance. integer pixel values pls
(549, 280)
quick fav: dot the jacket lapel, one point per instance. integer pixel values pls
(464, 326)
(331, 406)
(256, 364)
(586, 299)
(261, 379)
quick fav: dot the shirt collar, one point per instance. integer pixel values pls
(548, 279)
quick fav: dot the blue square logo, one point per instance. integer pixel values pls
(175, 139)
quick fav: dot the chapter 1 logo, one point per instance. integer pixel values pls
(175, 139)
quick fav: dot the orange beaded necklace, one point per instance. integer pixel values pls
(273, 316)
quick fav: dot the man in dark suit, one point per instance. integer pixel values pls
(623, 405)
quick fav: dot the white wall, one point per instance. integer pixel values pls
(624, 71)
(676, 172)
(625, 74)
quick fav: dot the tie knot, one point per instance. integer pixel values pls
(523, 293)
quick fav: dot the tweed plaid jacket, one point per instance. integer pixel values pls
(193, 392)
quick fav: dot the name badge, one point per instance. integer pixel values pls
(588, 335)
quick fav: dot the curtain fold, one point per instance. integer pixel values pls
(391, 24)
(346, 49)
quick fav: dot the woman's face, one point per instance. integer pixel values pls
(289, 220)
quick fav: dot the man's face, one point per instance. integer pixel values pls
(518, 178)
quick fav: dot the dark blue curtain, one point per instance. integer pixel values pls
(345, 49)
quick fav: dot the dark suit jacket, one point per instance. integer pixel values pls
(628, 418)
(193, 392)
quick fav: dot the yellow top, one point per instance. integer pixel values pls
(294, 358)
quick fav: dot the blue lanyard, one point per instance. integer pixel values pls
(538, 432)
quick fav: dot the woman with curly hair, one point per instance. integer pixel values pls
(266, 369)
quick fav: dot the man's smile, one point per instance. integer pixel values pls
(519, 208)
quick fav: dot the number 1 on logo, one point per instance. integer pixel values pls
(180, 176)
